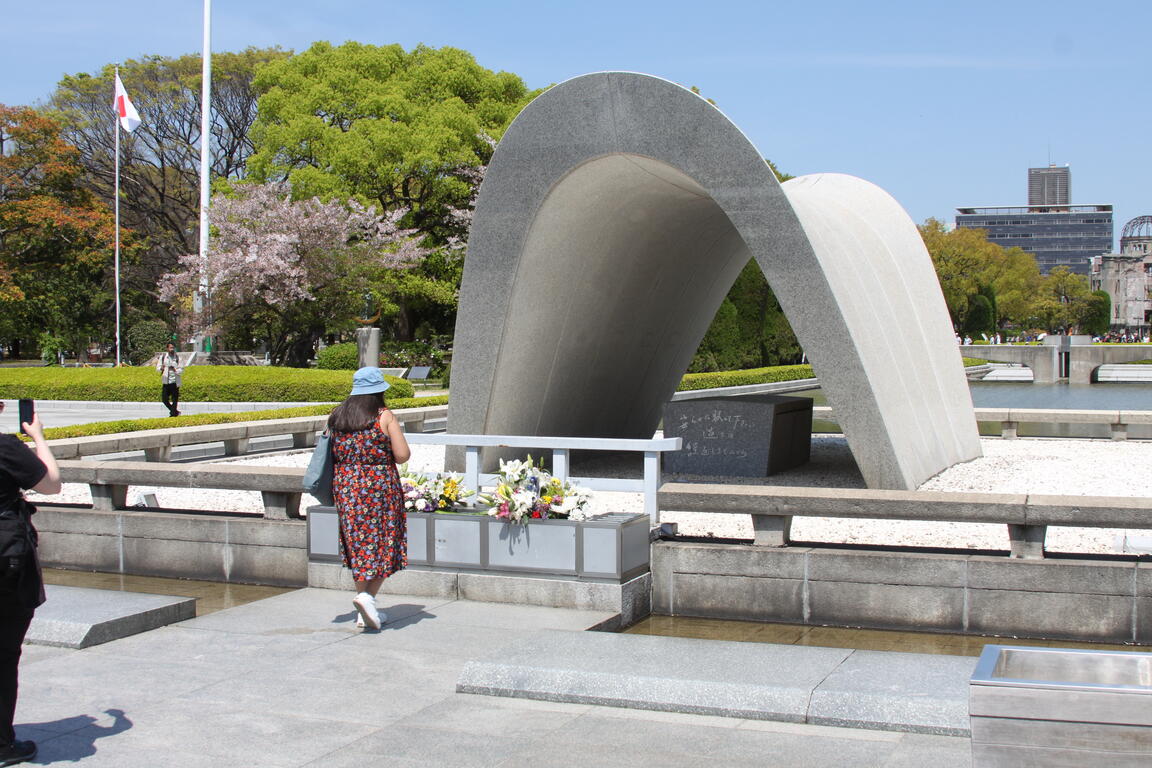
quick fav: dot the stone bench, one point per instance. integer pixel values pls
(280, 487)
(1027, 516)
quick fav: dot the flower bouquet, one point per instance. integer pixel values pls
(526, 492)
(432, 494)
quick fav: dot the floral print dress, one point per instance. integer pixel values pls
(370, 502)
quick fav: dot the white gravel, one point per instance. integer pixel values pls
(1036, 465)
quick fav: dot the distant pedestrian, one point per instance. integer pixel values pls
(171, 372)
(367, 444)
(21, 584)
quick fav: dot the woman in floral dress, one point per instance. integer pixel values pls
(367, 443)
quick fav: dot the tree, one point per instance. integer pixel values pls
(1098, 316)
(750, 329)
(1063, 301)
(284, 270)
(980, 318)
(391, 128)
(56, 239)
(1012, 276)
(967, 263)
(160, 160)
(397, 130)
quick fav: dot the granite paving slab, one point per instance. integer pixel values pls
(77, 617)
(288, 682)
(749, 680)
(917, 693)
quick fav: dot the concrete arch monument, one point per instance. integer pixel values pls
(617, 212)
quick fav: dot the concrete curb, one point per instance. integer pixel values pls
(914, 693)
(76, 617)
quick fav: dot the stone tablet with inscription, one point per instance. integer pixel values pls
(747, 436)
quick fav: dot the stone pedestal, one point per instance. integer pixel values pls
(747, 436)
(368, 346)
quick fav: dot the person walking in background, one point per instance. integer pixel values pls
(21, 584)
(367, 444)
(171, 372)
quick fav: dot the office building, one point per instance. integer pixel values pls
(1057, 233)
(1050, 186)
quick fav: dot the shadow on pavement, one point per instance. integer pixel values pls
(73, 738)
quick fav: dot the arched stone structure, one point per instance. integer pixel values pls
(618, 210)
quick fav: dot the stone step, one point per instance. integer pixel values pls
(78, 617)
(881, 690)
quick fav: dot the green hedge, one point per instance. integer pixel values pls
(201, 383)
(740, 378)
(339, 357)
(197, 419)
(761, 376)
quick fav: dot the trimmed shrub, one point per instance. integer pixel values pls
(694, 381)
(740, 378)
(339, 357)
(52, 348)
(980, 318)
(146, 339)
(202, 383)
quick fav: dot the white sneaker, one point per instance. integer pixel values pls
(366, 605)
(360, 619)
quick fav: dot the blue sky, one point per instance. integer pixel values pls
(942, 104)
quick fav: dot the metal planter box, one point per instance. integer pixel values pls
(1057, 707)
(613, 547)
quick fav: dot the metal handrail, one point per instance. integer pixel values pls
(561, 448)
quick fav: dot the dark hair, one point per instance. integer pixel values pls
(357, 412)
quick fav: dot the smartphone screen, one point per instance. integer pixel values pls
(27, 412)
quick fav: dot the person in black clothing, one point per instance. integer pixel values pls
(21, 585)
(170, 372)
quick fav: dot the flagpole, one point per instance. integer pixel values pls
(116, 197)
(205, 158)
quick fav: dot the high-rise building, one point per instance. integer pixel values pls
(1057, 233)
(1049, 186)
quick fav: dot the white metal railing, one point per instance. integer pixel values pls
(561, 448)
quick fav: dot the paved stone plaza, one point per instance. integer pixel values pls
(289, 681)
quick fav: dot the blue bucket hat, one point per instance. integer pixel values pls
(368, 381)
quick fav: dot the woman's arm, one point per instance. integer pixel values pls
(390, 424)
(50, 483)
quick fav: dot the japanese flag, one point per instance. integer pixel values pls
(129, 117)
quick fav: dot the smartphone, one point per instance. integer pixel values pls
(27, 412)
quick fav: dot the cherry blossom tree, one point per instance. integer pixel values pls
(287, 271)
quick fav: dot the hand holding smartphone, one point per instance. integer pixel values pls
(27, 412)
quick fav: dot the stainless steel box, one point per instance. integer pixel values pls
(612, 547)
(1057, 707)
